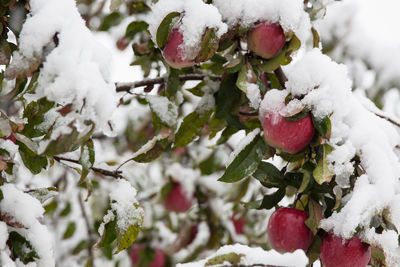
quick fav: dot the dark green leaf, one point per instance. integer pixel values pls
(32, 161)
(153, 153)
(173, 83)
(135, 27)
(246, 162)
(191, 126)
(109, 235)
(34, 112)
(210, 165)
(165, 28)
(82, 245)
(268, 173)
(298, 116)
(21, 248)
(270, 201)
(323, 126)
(313, 251)
(110, 20)
(86, 158)
(322, 172)
(70, 230)
(314, 216)
(66, 210)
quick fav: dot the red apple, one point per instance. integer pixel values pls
(159, 258)
(266, 39)
(173, 52)
(239, 224)
(177, 200)
(287, 231)
(344, 253)
(289, 136)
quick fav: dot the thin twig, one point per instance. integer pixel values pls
(115, 174)
(281, 76)
(388, 119)
(127, 87)
(88, 229)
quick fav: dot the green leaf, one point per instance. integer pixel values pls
(298, 116)
(268, 173)
(109, 235)
(232, 258)
(173, 83)
(34, 112)
(135, 27)
(313, 251)
(153, 153)
(246, 162)
(32, 161)
(165, 28)
(21, 248)
(208, 46)
(126, 237)
(323, 127)
(246, 76)
(270, 201)
(322, 172)
(210, 165)
(70, 230)
(273, 63)
(314, 216)
(165, 110)
(43, 194)
(192, 125)
(110, 20)
(197, 90)
(86, 159)
(82, 245)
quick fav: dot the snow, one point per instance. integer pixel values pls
(187, 177)
(288, 13)
(197, 16)
(256, 256)
(355, 131)
(165, 110)
(25, 210)
(124, 204)
(76, 71)
(253, 94)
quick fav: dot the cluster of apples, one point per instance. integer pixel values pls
(287, 232)
(264, 39)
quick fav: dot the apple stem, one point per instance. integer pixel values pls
(281, 76)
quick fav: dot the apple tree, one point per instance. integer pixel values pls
(234, 138)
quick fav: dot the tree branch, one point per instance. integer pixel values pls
(127, 87)
(88, 229)
(115, 174)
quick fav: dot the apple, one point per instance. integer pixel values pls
(159, 258)
(173, 52)
(344, 253)
(122, 43)
(11, 138)
(266, 39)
(289, 136)
(287, 231)
(239, 224)
(177, 200)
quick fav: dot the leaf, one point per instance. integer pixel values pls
(108, 236)
(232, 258)
(82, 245)
(316, 38)
(208, 46)
(115, 4)
(5, 52)
(323, 127)
(35, 112)
(86, 159)
(165, 110)
(270, 201)
(43, 194)
(110, 20)
(70, 230)
(210, 165)
(192, 125)
(165, 28)
(268, 173)
(314, 216)
(32, 161)
(21, 248)
(322, 172)
(126, 238)
(313, 251)
(153, 153)
(246, 75)
(298, 116)
(135, 27)
(273, 63)
(246, 162)
(173, 83)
